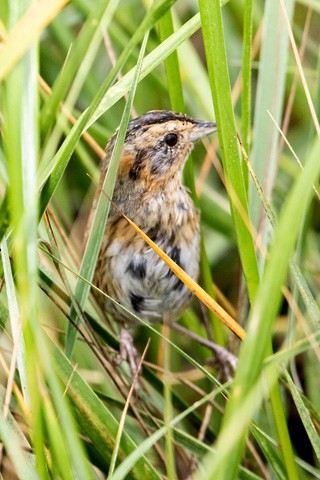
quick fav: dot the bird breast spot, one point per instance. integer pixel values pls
(137, 268)
(136, 301)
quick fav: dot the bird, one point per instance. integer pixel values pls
(149, 190)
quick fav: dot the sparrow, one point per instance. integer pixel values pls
(150, 192)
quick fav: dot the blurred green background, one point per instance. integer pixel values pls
(62, 95)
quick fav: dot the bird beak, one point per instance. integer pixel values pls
(201, 129)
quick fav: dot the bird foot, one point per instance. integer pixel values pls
(128, 353)
(225, 362)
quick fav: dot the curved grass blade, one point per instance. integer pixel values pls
(102, 209)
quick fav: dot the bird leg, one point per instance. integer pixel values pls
(224, 360)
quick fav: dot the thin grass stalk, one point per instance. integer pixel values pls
(195, 80)
(269, 97)
(206, 278)
(158, 55)
(282, 430)
(168, 410)
(172, 65)
(177, 104)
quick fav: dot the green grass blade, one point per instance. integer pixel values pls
(220, 87)
(301, 346)
(282, 428)
(196, 86)
(264, 312)
(172, 66)
(215, 214)
(61, 464)
(52, 177)
(271, 454)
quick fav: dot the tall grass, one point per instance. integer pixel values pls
(70, 74)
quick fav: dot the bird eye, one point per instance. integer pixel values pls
(171, 139)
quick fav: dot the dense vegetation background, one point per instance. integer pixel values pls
(71, 73)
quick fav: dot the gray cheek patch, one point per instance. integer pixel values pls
(163, 158)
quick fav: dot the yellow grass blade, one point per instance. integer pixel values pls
(192, 285)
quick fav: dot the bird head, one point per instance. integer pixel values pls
(157, 145)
